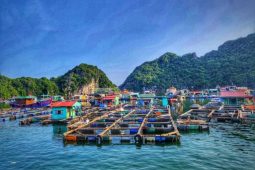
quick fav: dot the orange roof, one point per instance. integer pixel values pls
(249, 107)
(234, 94)
(63, 104)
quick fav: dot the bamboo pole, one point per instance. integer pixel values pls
(83, 117)
(87, 124)
(187, 112)
(117, 121)
(172, 121)
(210, 114)
(144, 121)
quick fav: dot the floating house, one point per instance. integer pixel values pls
(57, 98)
(236, 97)
(65, 110)
(125, 98)
(24, 101)
(44, 101)
(83, 99)
(146, 99)
(171, 92)
(111, 100)
(96, 99)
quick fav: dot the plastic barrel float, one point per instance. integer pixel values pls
(138, 139)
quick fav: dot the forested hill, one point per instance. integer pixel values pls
(80, 76)
(232, 63)
(74, 79)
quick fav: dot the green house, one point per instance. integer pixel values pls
(65, 110)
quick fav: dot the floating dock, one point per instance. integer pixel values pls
(194, 119)
(227, 113)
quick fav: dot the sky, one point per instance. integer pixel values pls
(45, 38)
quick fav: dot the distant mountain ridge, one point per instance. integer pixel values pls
(72, 82)
(232, 63)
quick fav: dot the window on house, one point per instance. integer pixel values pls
(59, 111)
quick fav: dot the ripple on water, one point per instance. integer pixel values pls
(36, 147)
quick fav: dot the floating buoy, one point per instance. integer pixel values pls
(160, 139)
(80, 138)
(70, 138)
(91, 138)
(99, 140)
(133, 131)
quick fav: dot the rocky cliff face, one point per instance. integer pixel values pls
(87, 88)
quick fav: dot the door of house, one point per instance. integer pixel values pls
(69, 112)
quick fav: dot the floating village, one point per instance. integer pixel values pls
(103, 116)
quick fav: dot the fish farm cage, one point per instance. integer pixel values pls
(136, 126)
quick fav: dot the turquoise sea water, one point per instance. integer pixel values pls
(226, 146)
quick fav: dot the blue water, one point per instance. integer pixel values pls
(37, 147)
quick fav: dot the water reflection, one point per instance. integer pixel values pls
(59, 129)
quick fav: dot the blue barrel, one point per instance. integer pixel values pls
(160, 138)
(93, 125)
(98, 131)
(140, 120)
(116, 140)
(133, 131)
(182, 127)
(126, 139)
(80, 138)
(152, 120)
(91, 138)
(150, 125)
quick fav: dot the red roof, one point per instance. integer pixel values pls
(234, 94)
(63, 104)
(112, 97)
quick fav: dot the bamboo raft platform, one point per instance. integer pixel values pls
(129, 127)
(247, 116)
(14, 114)
(34, 119)
(227, 113)
(195, 119)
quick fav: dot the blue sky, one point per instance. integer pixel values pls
(47, 38)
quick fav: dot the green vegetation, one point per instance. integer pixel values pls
(76, 78)
(26, 86)
(232, 63)
(4, 106)
(82, 75)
